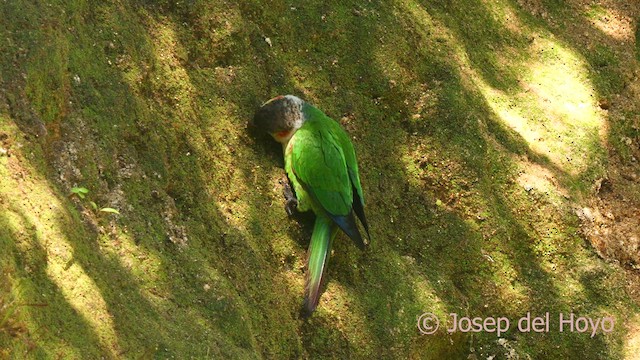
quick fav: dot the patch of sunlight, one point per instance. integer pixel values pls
(172, 82)
(557, 74)
(512, 292)
(569, 288)
(611, 22)
(82, 293)
(534, 176)
(632, 339)
(233, 207)
(218, 146)
(391, 67)
(506, 15)
(175, 86)
(426, 296)
(234, 211)
(554, 109)
(339, 304)
(423, 291)
(29, 197)
(409, 157)
(142, 264)
(294, 278)
(389, 57)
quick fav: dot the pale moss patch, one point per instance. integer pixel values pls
(632, 339)
(610, 21)
(515, 295)
(36, 215)
(539, 178)
(343, 311)
(555, 110)
(143, 265)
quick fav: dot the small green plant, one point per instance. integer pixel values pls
(82, 194)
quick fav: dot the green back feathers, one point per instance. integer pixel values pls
(318, 162)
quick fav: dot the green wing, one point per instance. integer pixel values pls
(352, 169)
(318, 162)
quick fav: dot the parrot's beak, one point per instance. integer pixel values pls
(273, 99)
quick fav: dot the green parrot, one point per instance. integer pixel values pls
(321, 164)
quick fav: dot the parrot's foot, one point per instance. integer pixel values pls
(291, 205)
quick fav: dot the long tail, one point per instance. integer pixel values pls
(324, 231)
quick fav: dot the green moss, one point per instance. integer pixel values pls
(608, 76)
(637, 40)
(146, 104)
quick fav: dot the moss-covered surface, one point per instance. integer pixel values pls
(479, 126)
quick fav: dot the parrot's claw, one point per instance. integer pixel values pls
(291, 205)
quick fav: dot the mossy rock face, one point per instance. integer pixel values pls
(478, 127)
(638, 40)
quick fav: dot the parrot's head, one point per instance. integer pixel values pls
(280, 117)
